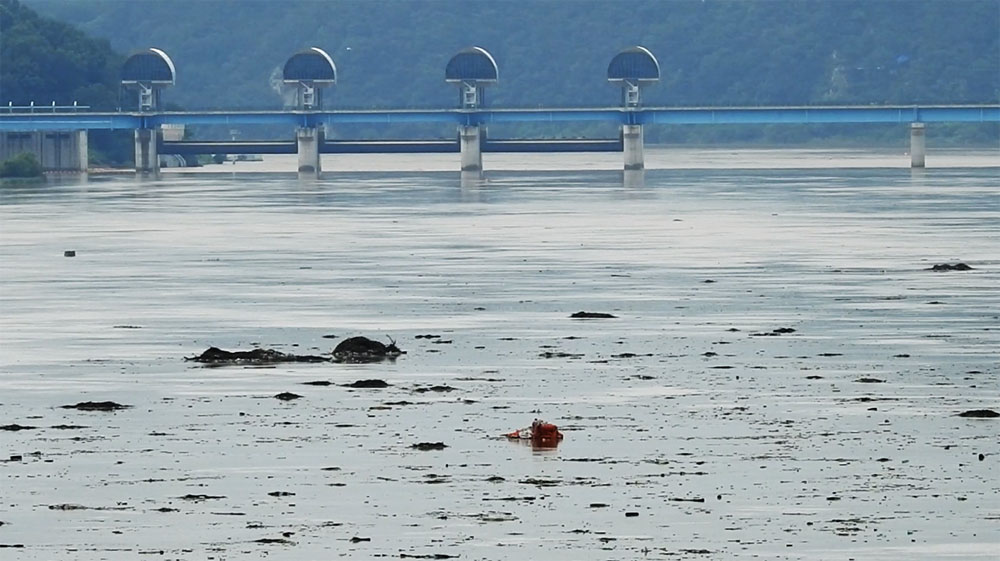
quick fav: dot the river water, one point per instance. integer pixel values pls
(782, 379)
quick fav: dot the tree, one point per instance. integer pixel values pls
(21, 165)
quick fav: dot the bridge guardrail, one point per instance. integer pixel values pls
(53, 108)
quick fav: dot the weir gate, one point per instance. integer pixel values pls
(58, 134)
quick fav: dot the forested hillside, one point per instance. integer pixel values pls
(392, 53)
(44, 61)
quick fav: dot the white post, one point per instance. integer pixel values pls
(918, 145)
(632, 146)
(472, 156)
(147, 160)
(308, 139)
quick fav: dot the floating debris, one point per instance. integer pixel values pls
(437, 389)
(16, 427)
(940, 267)
(97, 406)
(69, 506)
(774, 332)
(363, 349)
(538, 482)
(592, 315)
(199, 497)
(551, 354)
(374, 383)
(426, 446)
(217, 357)
(630, 355)
(980, 414)
(541, 434)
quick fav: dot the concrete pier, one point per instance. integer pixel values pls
(147, 159)
(918, 145)
(472, 154)
(308, 140)
(82, 151)
(632, 147)
(55, 150)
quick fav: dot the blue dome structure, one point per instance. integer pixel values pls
(151, 66)
(309, 70)
(148, 72)
(635, 64)
(471, 69)
(310, 65)
(631, 68)
(474, 64)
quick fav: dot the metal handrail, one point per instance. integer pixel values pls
(53, 108)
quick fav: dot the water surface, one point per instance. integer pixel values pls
(694, 429)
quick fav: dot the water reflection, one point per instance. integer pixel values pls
(538, 447)
(634, 178)
(472, 183)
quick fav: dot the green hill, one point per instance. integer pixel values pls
(44, 61)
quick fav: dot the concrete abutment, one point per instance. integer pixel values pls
(55, 150)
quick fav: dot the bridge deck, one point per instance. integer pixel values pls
(642, 116)
(389, 146)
